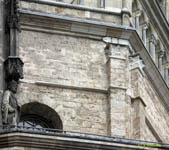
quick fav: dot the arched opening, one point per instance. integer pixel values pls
(37, 115)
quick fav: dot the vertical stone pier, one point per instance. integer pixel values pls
(117, 68)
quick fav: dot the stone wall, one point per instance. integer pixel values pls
(69, 61)
(91, 93)
(81, 63)
(155, 110)
(63, 59)
(79, 110)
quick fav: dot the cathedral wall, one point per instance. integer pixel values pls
(79, 111)
(67, 61)
(91, 93)
(63, 59)
(80, 63)
(156, 115)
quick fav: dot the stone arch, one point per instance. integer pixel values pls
(41, 112)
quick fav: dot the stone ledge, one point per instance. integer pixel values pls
(116, 11)
(69, 140)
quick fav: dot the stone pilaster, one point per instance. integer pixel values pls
(138, 105)
(144, 34)
(137, 15)
(138, 118)
(166, 73)
(152, 43)
(117, 68)
(160, 60)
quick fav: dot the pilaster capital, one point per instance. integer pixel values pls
(145, 25)
(166, 65)
(161, 53)
(136, 62)
(138, 12)
(152, 39)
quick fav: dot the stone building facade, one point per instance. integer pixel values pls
(95, 67)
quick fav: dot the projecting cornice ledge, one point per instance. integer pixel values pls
(53, 139)
(96, 29)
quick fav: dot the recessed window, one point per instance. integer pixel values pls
(37, 115)
(35, 121)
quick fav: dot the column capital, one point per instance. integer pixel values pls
(152, 39)
(161, 53)
(145, 25)
(138, 12)
(166, 65)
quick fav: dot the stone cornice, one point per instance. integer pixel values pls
(41, 139)
(114, 11)
(99, 29)
(158, 19)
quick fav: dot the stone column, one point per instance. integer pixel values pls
(117, 72)
(137, 19)
(152, 42)
(144, 35)
(166, 73)
(160, 60)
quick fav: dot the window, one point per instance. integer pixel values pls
(37, 115)
(35, 121)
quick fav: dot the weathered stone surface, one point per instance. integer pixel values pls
(73, 12)
(82, 62)
(66, 60)
(79, 111)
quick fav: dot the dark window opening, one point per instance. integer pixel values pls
(35, 121)
(37, 115)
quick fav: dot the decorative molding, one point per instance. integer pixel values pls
(49, 84)
(137, 12)
(136, 63)
(114, 11)
(68, 140)
(119, 41)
